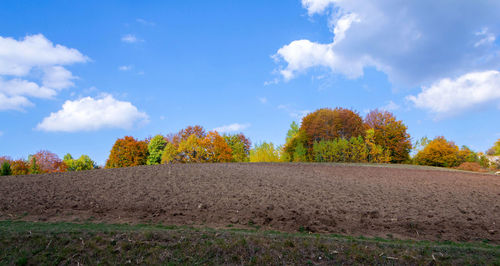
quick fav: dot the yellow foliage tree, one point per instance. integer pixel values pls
(439, 152)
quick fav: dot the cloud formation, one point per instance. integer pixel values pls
(91, 114)
(414, 42)
(125, 68)
(130, 38)
(33, 67)
(236, 127)
(451, 96)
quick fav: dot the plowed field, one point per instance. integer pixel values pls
(400, 202)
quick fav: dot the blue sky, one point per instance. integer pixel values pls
(75, 76)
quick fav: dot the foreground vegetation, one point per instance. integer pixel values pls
(24, 243)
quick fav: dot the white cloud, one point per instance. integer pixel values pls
(317, 6)
(125, 68)
(57, 77)
(89, 114)
(232, 128)
(130, 38)
(263, 100)
(452, 96)
(33, 67)
(391, 106)
(486, 37)
(410, 41)
(13, 102)
(145, 22)
(296, 114)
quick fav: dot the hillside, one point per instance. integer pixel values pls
(347, 199)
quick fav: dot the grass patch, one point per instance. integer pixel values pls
(25, 243)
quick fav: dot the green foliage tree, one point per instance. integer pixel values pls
(300, 153)
(34, 168)
(495, 150)
(240, 147)
(467, 155)
(82, 163)
(265, 152)
(155, 149)
(484, 161)
(5, 169)
(294, 129)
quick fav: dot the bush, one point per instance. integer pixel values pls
(155, 149)
(471, 166)
(265, 152)
(341, 150)
(439, 152)
(127, 152)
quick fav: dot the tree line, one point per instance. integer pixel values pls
(326, 135)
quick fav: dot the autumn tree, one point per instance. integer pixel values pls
(495, 150)
(265, 152)
(240, 147)
(170, 154)
(216, 148)
(155, 149)
(330, 124)
(48, 162)
(185, 133)
(465, 154)
(376, 153)
(210, 148)
(19, 167)
(439, 152)
(127, 152)
(390, 134)
(4, 159)
(80, 164)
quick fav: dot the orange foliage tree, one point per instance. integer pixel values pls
(216, 147)
(210, 148)
(330, 124)
(390, 134)
(184, 134)
(127, 152)
(49, 162)
(439, 152)
(19, 167)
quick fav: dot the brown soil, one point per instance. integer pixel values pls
(416, 203)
